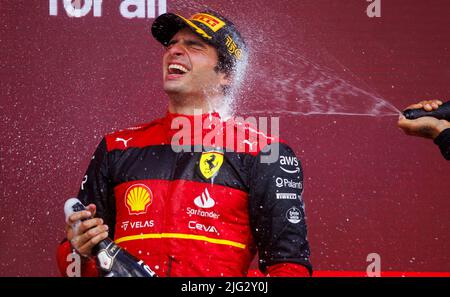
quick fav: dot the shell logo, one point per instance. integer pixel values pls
(137, 199)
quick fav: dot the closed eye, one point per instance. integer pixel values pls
(171, 43)
(195, 44)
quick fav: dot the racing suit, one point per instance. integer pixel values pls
(443, 141)
(186, 211)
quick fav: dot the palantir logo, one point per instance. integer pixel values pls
(204, 200)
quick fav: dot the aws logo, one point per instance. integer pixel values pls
(210, 163)
(137, 199)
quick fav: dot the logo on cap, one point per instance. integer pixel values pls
(208, 20)
(137, 198)
(194, 26)
(233, 48)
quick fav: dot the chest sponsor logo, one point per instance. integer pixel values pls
(293, 215)
(285, 182)
(137, 224)
(202, 213)
(204, 200)
(288, 196)
(193, 225)
(137, 199)
(210, 163)
(289, 164)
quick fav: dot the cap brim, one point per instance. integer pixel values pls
(167, 25)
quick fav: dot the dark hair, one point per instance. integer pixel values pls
(225, 64)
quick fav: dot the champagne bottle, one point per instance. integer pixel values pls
(112, 260)
(442, 113)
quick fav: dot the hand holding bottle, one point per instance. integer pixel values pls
(89, 236)
(425, 119)
(82, 229)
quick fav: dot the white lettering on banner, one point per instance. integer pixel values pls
(139, 8)
(53, 7)
(75, 9)
(374, 268)
(74, 268)
(128, 8)
(374, 8)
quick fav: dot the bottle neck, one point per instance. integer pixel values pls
(102, 245)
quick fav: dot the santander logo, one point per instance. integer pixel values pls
(204, 200)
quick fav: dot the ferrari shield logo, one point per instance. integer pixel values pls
(210, 163)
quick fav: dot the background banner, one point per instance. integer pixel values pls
(335, 72)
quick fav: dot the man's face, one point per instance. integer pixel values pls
(189, 64)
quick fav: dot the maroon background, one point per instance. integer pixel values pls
(65, 82)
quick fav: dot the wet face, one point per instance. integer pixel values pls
(189, 67)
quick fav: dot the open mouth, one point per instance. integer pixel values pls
(177, 69)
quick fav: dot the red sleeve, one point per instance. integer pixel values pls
(288, 270)
(88, 267)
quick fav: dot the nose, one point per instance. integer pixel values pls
(176, 49)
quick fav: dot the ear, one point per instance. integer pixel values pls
(225, 79)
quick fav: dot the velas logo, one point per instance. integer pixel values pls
(204, 200)
(137, 199)
(210, 163)
(208, 20)
(138, 224)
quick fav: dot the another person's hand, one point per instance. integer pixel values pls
(89, 232)
(428, 127)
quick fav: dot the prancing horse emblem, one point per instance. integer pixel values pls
(210, 163)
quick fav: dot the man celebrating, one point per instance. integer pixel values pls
(190, 212)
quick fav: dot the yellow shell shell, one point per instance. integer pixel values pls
(138, 198)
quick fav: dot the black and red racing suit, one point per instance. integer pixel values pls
(443, 141)
(191, 212)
